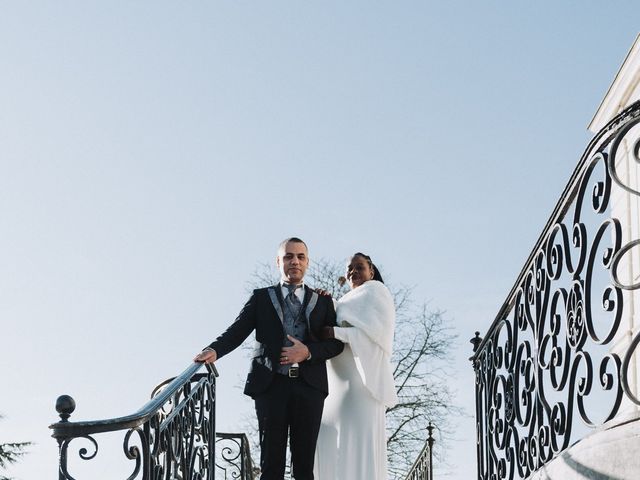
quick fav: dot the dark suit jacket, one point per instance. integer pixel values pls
(263, 313)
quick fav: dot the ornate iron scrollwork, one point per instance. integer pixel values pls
(547, 366)
(172, 436)
(234, 456)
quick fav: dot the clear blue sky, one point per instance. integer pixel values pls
(153, 153)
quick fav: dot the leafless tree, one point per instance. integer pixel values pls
(421, 356)
(422, 347)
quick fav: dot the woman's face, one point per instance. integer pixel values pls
(358, 271)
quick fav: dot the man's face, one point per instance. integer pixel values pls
(292, 262)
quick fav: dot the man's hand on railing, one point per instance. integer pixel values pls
(208, 355)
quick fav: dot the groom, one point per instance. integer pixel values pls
(288, 377)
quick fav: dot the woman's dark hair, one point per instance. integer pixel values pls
(376, 272)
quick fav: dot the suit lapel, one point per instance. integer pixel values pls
(276, 295)
(310, 300)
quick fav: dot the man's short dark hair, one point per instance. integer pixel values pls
(283, 243)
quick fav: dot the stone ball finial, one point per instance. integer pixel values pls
(65, 405)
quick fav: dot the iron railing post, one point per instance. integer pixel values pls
(430, 441)
(422, 468)
(65, 405)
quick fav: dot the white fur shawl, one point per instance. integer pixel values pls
(366, 319)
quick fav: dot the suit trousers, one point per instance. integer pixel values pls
(292, 407)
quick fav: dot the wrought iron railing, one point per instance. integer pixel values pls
(422, 468)
(234, 456)
(556, 360)
(171, 436)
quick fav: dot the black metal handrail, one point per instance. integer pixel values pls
(65, 406)
(560, 333)
(422, 468)
(171, 436)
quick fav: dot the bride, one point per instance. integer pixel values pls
(352, 440)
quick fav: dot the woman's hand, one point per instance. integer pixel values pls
(327, 333)
(323, 292)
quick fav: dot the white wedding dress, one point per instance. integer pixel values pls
(352, 439)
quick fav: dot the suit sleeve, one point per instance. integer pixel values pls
(324, 349)
(238, 331)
